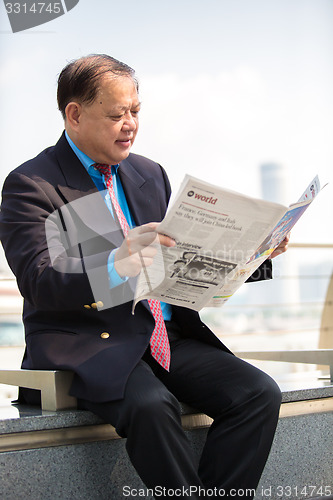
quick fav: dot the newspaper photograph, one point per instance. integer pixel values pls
(221, 238)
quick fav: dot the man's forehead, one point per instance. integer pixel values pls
(116, 92)
(124, 107)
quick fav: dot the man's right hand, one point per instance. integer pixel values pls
(139, 249)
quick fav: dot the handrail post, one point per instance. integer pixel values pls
(326, 325)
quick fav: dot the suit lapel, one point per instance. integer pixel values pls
(141, 194)
(78, 182)
(81, 192)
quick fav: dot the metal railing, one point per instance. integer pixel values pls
(321, 356)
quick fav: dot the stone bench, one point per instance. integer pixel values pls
(40, 445)
(73, 455)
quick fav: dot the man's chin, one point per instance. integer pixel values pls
(115, 159)
(124, 156)
(123, 152)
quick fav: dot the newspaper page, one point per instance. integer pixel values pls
(221, 238)
(268, 245)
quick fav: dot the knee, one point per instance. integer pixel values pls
(269, 393)
(156, 406)
(155, 409)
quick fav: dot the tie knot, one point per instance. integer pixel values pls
(103, 169)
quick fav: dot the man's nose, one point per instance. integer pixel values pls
(130, 123)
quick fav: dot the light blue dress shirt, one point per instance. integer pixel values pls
(98, 179)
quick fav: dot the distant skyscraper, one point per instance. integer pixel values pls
(274, 183)
(282, 290)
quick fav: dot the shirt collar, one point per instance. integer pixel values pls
(84, 159)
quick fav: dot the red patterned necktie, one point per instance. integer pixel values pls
(159, 341)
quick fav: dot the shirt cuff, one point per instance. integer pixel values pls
(114, 278)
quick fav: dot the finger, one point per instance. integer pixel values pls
(128, 243)
(150, 251)
(163, 238)
(147, 261)
(149, 227)
(136, 240)
(141, 246)
(146, 236)
(166, 240)
(284, 244)
(279, 249)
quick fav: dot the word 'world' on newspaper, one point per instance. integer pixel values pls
(221, 238)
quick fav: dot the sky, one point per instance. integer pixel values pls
(225, 85)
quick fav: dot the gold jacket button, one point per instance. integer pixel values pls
(99, 303)
(94, 305)
(105, 335)
(86, 306)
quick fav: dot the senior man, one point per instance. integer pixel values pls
(130, 369)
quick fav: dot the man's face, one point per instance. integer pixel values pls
(106, 129)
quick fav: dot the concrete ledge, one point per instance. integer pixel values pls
(46, 438)
(38, 447)
(23, 418)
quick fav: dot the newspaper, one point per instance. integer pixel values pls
(221, 238)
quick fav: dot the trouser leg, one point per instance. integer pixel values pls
(244, 403)
(149, 417)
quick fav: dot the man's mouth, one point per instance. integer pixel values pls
(124, 142)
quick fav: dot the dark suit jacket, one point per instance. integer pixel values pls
(59, 255)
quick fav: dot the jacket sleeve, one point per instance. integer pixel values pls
(264, 272)
(50, 274)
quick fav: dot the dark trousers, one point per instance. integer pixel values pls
(242, 400)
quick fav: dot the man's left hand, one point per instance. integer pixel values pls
(281, 248)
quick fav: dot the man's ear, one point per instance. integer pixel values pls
(73, 112)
